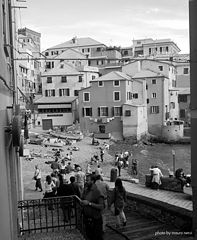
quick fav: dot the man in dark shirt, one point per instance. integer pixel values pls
(93, 202)
(74, 188)
(55, 165)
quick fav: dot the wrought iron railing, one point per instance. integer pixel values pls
(44, 215)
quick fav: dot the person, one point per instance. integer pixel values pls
(88, 169)
(68, 157)
(101, 154)
(98, 171)
(63, 164)
(179, 174)
(55, 165)
(104, 189)
(74, 188)
(69, 168)
(156, 177)
(134, 166)
(93, 205)
(119, 166)
(119, 198)
(37, 178)
(49, 193)
(80, 179)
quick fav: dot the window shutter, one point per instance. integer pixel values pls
(107, 111)
(91, 112)
(157, 109)
(112, 111)
(60, 92)
(120, 111)
(83, 112)
(98, 111)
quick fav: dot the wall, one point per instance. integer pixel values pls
(183, 80)
(172, 132)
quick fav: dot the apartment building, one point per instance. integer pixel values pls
(162, 96)
(184, 99)
(114, 106)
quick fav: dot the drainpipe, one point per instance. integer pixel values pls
(193, 76)
(12, 53)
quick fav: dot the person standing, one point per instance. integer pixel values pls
(80, 179)
(156, 177)
(37, 178)
(101, 154)
(49, 192)
(119, 166)
(118, 198)
(55, 165)
(93, 205)
(98, 171)
(104, 189)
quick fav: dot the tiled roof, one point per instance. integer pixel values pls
(48, 100)
(80, 42)
(115, 75)
(71, 53)
(67, 69)
(146, 74)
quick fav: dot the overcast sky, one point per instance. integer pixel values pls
(112, 22)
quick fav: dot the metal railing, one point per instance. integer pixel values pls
(44, 215)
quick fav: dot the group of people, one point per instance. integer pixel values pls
(122, 160)
(91, 189)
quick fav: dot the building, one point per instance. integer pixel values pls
(182, 74)
(55, 112)
(162, 96)
(154, 48)
(114, 106)
(10, 166)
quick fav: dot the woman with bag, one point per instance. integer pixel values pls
(37, 178)
(118, 198)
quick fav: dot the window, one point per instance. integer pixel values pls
(149, 50)
(87, 112)
(154, 109)
(116, 96)
(93, 77)
(172, 105)
(127, 113)
(102, 128)
(46, 53)
(146, 86)
(80, 78)
(76, 92)
(49, 79)
(83, 50)
(86, 97)
(64, 92)
(160, 68)
(183, 98)
(103, 111)
(147, 100)
(153, 81)
(154, 95)
(64, 79)
(116, 83)
(125, 52)
(129, 95)
(62, 65)
(185, 70)
(117, 111)
(182, 113)
(48, 65)
(166, 49)
(98, 49)
(160, 49)
(135, 95)
(100, 83)
(50, 93)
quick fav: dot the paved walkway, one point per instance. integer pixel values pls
(172, 199)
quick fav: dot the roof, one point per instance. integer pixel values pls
(147, 74)
(70, 54)
(115, 75)
(78, 42)
(183, 91)
(49, 100)
(61, 69)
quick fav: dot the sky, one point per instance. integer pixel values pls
(112, 22)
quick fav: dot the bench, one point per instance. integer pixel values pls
(168, 183)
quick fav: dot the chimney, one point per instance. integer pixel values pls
(74, 40)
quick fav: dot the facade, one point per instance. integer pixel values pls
(107, 108)
(184, 99)
(10, 167)
(182, 74)
(162, 96)
(55, 112)
(151, 48)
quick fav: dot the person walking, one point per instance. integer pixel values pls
(104, 189)
(118, 198)
(93, 205)
(101, 154)
(37, 178)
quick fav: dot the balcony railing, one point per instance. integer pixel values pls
(46, 215)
